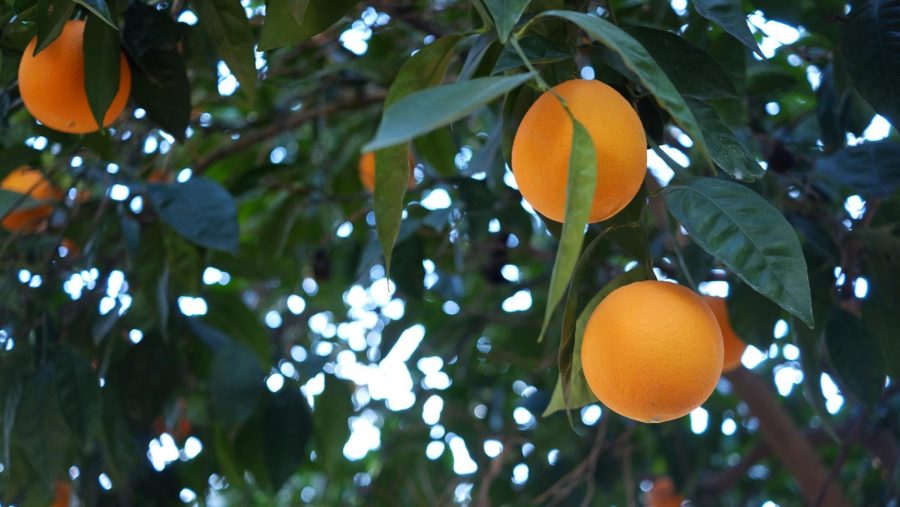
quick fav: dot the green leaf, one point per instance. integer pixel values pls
(235, 385)
(538, 50)
(288, 427)
(506, 14)
(52, 17)
(481, 45)
(148, 28)
(425, 68)
(872, 169)
(752, 316)
(728, 15)
(582, 180)
(102, 59)
(227, 26)
(856, 355)
(40, 430)
(639, 61)
(871, 43)
(331, 424)
(160, 86)
(726, 150)
(572, 390)
(200, 210)
(14, 201)
(747, 234)
(78, 390)
(692, 70)
(101, 10)
(435, 107)
(283, 28)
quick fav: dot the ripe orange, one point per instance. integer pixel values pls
(652, 351)
(29, 181)
(734, 346)
(63, 492)
(663, 494)
(367, 171)
(543, 143)
(52, 84)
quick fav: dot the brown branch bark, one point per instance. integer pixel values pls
(285, 124)
(786, 440)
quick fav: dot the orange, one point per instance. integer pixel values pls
(543, 144)
(62, 494)
(367, 171)
(29, 181)
(652, 351)
(734, 346)
(663, 494)
(52, 84)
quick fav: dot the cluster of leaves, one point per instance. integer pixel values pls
(259, 184)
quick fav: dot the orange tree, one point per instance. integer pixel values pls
(200, 302)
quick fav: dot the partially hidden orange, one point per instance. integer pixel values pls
(25, 180)
(734, 346)
(367, 171)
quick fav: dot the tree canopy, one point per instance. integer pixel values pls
(205, 301)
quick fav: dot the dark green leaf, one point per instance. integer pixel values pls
(431, 108)
(727, 151)
(692, 70)
(872, 169)
(639, 61)
(14, 201)
(482, 43)
(52, 17)
(333, 409)
(101, 10)
(728, 15)
(572, 390)
(506, 14)
(282, 28)
(582, 180)
(148, 28)
(856, 355)
(752, 316)
(235, 385)
(871, 43)
(200, 210)
(102, 59)
(424, 69)
(227, 26)
(40, 430)
(747, 234)
(288, 427)
(78, 390)
(538, 50)
(160, 86)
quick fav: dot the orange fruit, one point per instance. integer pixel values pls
(543, 144)
(663, 494)
(367, 171)
(734, 346)
(652, 351)
(29, 181)
(63, 492)
(52, 84)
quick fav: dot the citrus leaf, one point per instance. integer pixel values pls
(506, 14)
(40, 430)
(283, 26)
(227, 26)
(429, 109)
(78, 390)
(99, 9)
(160, 86)
(572, 390)
(728, 15)
(747, 234)
(582, 180)
(726, 150)
(331, 421)
(424, 69)
(200, 210)
(480, 46)
(639, 61)
(871, 43)
(287, 428)
(235, 385)
(52, 17)
(102, 59)
(536, 48)
(856, 355)
(692, 70)
(14, 201)
(872, 169)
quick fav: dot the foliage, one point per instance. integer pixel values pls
(219, 294)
